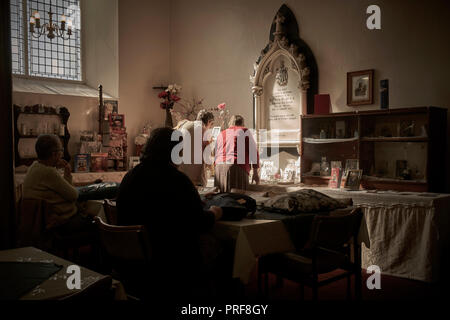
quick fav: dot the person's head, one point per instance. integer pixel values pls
(236, 121)
(207, 118)
(159, 146)
(49, 149)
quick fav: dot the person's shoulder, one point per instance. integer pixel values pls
(39, 169)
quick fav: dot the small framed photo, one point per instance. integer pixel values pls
(360, 87)
(116, 121)
(110, 107)
(353, 179)
(82, 162)
(133, 162)
(340, 129)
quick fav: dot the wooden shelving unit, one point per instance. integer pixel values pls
(62, 116)
(377, 138)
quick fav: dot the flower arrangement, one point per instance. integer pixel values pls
(169, 96)
(188, 110)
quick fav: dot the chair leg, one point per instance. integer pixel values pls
(349, 284)
(302, 291)
(358, 285)
(259, 282)
(279, 283)
(315, 291)
(266, 284)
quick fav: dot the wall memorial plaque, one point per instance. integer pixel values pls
(280, 84)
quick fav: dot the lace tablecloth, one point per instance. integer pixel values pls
(408, 231)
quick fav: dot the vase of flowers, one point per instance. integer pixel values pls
(169, 97)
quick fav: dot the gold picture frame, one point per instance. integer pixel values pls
(360, 87)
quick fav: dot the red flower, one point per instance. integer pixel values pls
(163, 94)
(221, 106)
(174, 98)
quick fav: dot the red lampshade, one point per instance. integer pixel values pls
(322, 104)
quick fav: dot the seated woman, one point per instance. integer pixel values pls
(236, 154)
(157, 195)
(44, 182)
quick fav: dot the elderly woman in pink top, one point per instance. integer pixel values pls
(236, 154)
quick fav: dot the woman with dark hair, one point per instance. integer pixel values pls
(196, 129)
(157, 195)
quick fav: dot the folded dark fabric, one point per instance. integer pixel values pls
(98, 191)
(235, 206)
(302, 201)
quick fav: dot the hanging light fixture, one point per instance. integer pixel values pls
(64, 30)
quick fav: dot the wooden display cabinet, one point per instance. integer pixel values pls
(397, 149)
(30, 122)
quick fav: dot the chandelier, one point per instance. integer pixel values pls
(52, 29)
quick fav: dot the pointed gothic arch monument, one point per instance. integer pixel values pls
(284, 82)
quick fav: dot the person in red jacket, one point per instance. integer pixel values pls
(236, 154)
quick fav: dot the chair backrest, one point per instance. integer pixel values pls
(124, 243)
(334, 231)
(31, 223)
(109, 206)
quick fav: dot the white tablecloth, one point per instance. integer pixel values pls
(254, 238)
(408, 231)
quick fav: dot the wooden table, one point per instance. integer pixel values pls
(55, 288)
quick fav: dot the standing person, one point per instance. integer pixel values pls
(155, 194)
(195, 169)
(236, 154)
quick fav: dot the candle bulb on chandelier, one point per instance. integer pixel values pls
(63, 22)
(69, 27)
(37, 17)
(32, 23)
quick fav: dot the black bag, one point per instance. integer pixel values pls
(235, 206)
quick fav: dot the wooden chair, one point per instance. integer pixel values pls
(31, 231)
(328, 249)
(128, 253)
(109, 206)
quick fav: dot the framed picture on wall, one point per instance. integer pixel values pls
(360, 87)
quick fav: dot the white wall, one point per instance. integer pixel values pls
(101, 44)
(144, 62)
(215, 43)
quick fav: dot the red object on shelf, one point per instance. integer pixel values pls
(322, 104)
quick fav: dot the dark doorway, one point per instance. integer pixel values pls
(7, 194)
